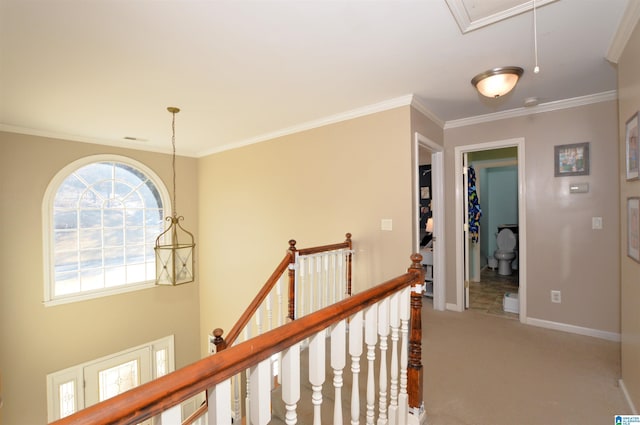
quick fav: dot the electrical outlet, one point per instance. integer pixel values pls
(556, 297)
(596, 223)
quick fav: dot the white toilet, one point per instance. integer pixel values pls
(505, 253)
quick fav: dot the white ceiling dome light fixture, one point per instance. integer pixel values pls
(497, 82)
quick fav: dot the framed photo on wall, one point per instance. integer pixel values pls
(632, 147)
(571, 160)
(633, 228)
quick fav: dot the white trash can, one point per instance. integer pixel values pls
(511, 302)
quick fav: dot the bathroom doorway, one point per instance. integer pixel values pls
(491, 279)
(497, 164)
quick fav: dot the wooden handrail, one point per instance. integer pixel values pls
(288, 259)
(259, 298)
(152, 398)
(342, 245)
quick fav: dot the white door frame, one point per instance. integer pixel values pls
(437, 183)
(522, 222)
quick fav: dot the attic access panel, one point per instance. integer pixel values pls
(473, 14)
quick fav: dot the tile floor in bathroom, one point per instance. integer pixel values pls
(487, 295)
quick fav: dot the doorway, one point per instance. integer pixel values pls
(433, 154)
(466, 257)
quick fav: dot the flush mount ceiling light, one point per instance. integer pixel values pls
(497, 82)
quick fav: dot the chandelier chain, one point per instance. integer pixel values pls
(173, 160)
(536, 69)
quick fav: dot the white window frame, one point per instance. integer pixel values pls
(77, 373)
(48, 227)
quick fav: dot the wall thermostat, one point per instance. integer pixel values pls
(579, 188)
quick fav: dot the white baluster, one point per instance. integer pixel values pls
(247, 396)
(219, 401)
(383, 333)
(403, 397)
(355, 351)
(300, 289)
(344, 271)
(321, 287)
(317, 373)
(237, 414)
(326, 261)
(281, 316)
(172, 416)
(370, 339)
(324, 278)
(258, 319)
(312, 284)
(269, 307)
(261, 393)
(330, 289)
(337, 287)
(394, 320)
(291, 382)
(281, 313)
(337, 278)
(338, 362)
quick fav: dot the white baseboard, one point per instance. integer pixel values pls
(634, 411)
(453, 307)
(596, 333)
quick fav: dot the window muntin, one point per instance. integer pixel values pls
(104, 216)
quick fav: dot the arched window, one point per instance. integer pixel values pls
(102, 215)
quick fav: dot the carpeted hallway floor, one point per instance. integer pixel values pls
(482, 369)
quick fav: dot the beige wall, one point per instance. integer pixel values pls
(629, 104)
(37, 340)
(563, 252)
(314, 187)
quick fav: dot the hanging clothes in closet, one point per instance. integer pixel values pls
(475, 212)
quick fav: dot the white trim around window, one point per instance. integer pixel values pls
(48, 228)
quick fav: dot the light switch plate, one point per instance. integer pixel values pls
(386, 224)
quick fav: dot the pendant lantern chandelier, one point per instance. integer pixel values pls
(174, 247)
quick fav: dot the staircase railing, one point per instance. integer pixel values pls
(381, 311)
(386, 309)
(296, 268)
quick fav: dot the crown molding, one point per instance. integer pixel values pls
(543, 107)
(417, 104)
(309, 125)
(627, 24)
(140, 146)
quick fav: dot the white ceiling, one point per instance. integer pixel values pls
(241, 71)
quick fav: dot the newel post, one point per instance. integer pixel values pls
(414, 368)
(349, 254)
(218, 340)
(292, 280)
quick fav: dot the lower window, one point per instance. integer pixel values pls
(80, 386)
